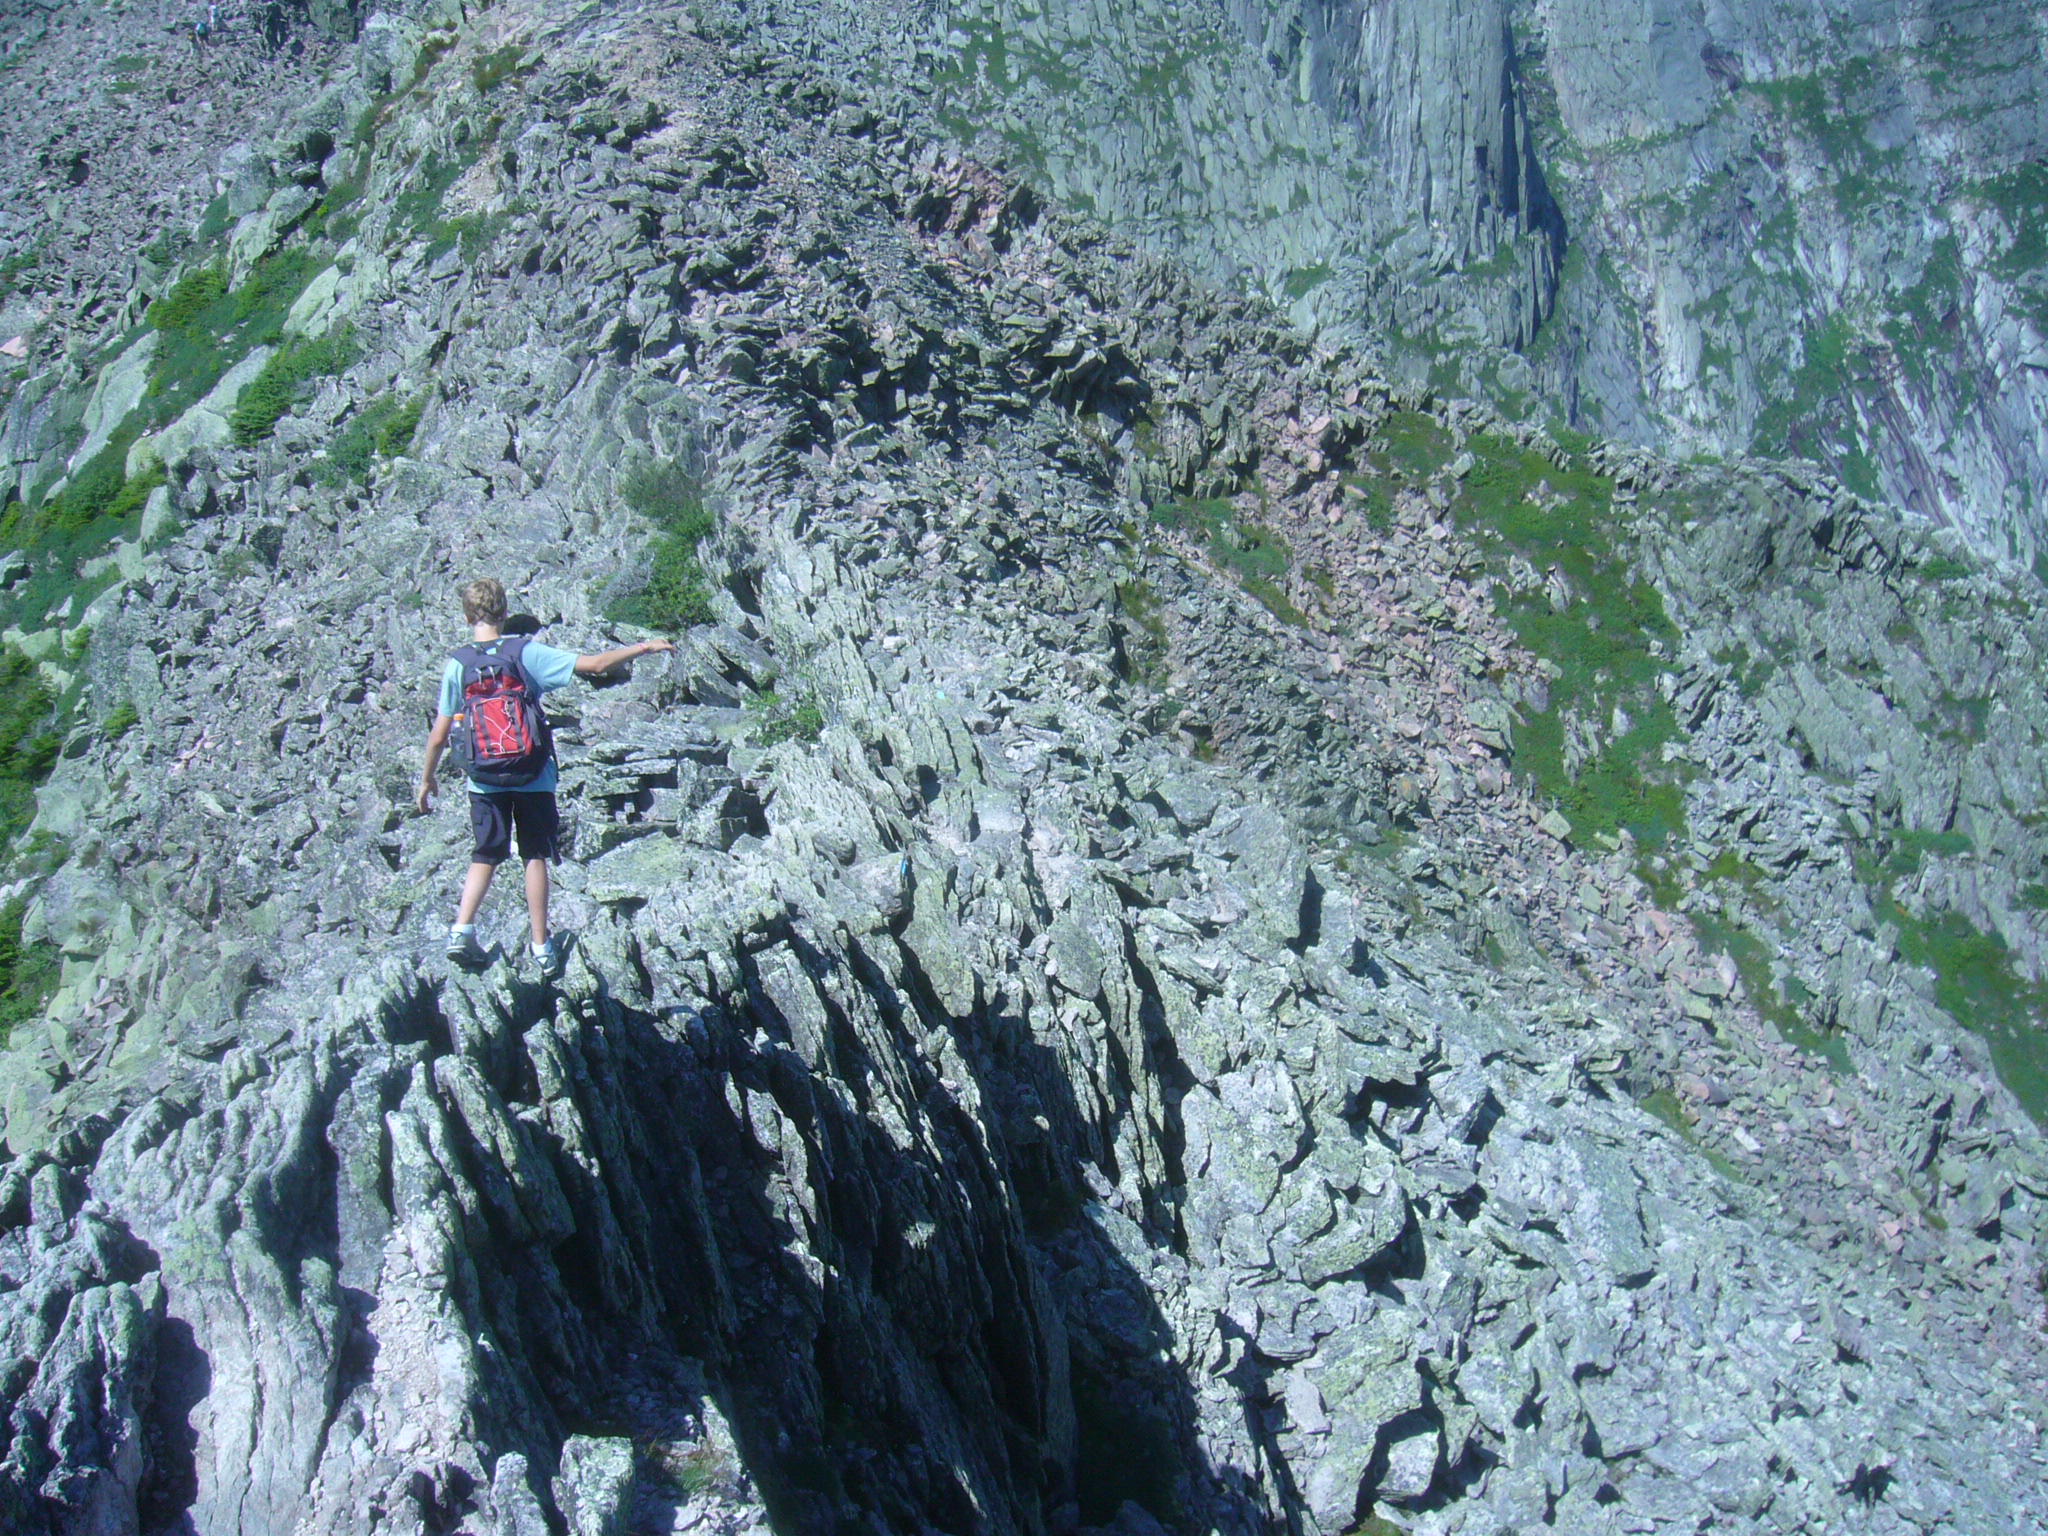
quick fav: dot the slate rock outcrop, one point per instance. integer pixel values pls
(1077, 1023)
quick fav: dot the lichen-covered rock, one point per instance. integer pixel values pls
(594, 1489)
(1072, 1024)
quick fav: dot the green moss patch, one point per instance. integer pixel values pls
(190, 297)
(1603, 670)
(205, 329)
(2021, 196)
(418, 207)
(1666, 1106)
(1909, 850)
(1303, 281)
(1719, 935)
(1811, 413)
(120, 720)
(17, 269)
(1976, 985)
(96, 501)
(471, 233)
(1975, 980)
(1411, 445)
(338, 215)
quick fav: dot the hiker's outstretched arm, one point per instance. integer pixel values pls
(604, 661)
(437, 743)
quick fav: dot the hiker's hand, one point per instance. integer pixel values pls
(656, 645)
(429, 787)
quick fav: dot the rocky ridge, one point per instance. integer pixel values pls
(1151, 1058)
(1752, 229)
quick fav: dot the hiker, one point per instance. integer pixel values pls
(491, 690)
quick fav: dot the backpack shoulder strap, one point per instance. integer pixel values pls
(469, 658)
(512, 651)
(508, 654)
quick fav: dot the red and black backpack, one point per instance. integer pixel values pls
(502, 739)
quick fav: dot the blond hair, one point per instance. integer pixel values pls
(483, 602)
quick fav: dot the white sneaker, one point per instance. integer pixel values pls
(553, 956)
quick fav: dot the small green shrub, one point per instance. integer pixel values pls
(394, 435)
(675, 595)
(472, 233)
(205, 328)
(272, 392)
(383, 428)
(777, 719)
(191, 296)
(665, 494)
(95, 504)
(120, 720)
(28, 739)
(497, 66)
(28, 972)
(416, 208)
(89, 492)
(271, 288)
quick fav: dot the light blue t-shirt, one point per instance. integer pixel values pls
(548, 667)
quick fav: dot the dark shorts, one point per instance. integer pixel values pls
(492, 819)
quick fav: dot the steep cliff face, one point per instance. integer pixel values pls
(1363, 165)
(1761, 228)
(1807, 233)
(1193, 938)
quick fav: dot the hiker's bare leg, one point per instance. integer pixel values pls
(537, 898)
(474, 885)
